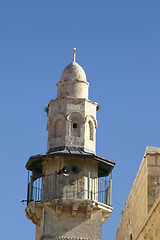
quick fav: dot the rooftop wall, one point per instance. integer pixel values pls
(151, 229)
(144, 193)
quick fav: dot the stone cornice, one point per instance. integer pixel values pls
(34, 209)
(69, 98)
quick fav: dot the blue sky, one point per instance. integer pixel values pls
(118, 45)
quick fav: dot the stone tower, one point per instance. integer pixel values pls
(69, 195)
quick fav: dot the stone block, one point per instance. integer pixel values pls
(151, 160)
(154, 171)
(158, 161)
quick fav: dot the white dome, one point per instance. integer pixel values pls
(73, 72)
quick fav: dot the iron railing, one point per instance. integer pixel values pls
(56, 186)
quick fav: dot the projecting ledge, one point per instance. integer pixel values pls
(73, 207)
(34, 213)
(106, 210)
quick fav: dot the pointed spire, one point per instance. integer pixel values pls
(74, 54)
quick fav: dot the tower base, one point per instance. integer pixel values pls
(62, 219)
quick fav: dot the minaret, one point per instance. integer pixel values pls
(69, 194)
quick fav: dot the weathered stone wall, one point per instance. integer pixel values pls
(153, 162)
(73, 89)
(144, 193)
(69, 227)
(73, 186)
(135, 210)
(151, 228)
(63, 113)
(66, 219)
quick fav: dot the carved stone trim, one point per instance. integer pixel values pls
(74, 210)
(33, 214)
(92, 119)
(59, 209)
(34, 210)
(57, 116)
(78, 115)
(89, 210)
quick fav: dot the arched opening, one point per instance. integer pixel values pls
(75, 127)
(90, 130)
(58, 128)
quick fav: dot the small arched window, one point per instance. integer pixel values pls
(75, 127)
(58, 128)
(90, 130)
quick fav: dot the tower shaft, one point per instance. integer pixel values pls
(69, 197)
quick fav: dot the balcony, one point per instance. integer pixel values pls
(78, 187)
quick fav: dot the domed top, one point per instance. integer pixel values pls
(73, 72)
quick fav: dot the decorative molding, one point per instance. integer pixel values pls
(89, 210)
(62, 82)
(78, 115)
(65, 148)
(74, 210)
(91, 118)
(34, 214)
(57, 116)
(59, 209)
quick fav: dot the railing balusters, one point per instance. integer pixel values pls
(97, 188)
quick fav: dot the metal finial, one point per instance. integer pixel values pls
(74, 54)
